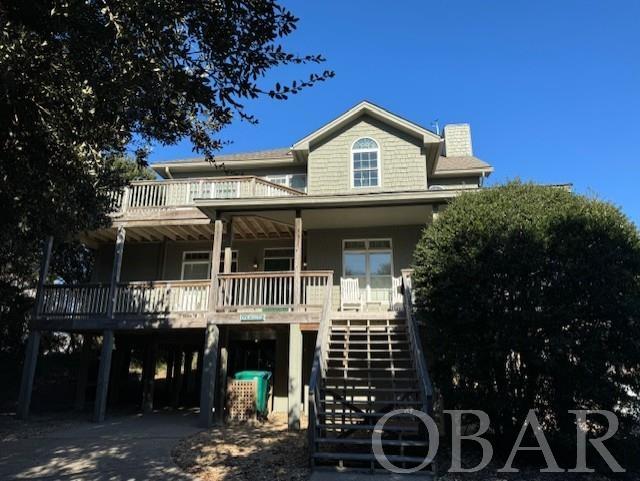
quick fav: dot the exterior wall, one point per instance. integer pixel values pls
(151, 261)
(456, 182)
(324, 249)
(403, 164)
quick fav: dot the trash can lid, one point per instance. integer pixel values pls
(252, 375)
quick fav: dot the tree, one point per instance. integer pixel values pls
(83, 83)
(531, 299)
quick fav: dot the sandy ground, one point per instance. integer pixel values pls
(243, 452)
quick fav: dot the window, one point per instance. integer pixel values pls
(365, 156)
(370, 261)
(295, 181)
(278, 259)
(196, 265)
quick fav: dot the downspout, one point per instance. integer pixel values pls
(167, 172)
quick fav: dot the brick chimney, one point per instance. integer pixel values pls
(457, 140)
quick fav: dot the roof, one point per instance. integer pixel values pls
(461, 164)
(368, 108)
(271, 154)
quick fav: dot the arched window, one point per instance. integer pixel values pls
(365, 157)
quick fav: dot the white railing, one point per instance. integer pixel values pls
(258, 290)
(159, 194)
(162, 297)
(71, 301)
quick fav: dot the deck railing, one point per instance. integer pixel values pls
(267, 290)
(160, 194)
(74, 301)
(236, 292)
(162, 297)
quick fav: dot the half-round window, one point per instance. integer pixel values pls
(365, 156)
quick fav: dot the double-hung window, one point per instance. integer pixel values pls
(196, 265)
(365, 158)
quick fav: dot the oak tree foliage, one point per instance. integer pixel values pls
(84, 82)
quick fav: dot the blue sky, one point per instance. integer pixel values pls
(551, 88)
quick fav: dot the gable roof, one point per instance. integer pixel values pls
(368, 108)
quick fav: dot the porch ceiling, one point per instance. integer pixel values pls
(245, 227)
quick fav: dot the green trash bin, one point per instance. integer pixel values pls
(264, 380)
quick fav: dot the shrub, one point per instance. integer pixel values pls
(531, 299)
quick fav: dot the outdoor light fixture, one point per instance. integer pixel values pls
(255, 263)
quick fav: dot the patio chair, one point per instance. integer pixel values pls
(396, 302)
(350, 296)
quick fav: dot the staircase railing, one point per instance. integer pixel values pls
(319, 365)
(426, 388)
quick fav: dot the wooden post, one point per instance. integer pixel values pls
(176, 387)
(44, 272)
(83, 373)
(222, 390)
(295, 376)
(209, 368)
(149, 375)
(297, 260)
(28, 374)
(102, 388)
(188, 374)
(215, 264)
(115, 271)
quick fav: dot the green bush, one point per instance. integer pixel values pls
(531, 299)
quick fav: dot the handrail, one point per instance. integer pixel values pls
(319, 364)
(158, 194)
(414, 337)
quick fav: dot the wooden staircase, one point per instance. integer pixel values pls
(365, 369)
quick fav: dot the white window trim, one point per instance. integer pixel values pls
(366, 250)
(353, 151)
(184, 260)
(264, 256)
(208, 261)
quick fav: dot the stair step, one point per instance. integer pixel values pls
(367, 442)
(373, 359)
(388, 427)
(347, 349)
(371, 389)
(354, 414)
(388, 379)
(393, 458)
(367, 403)
(350, 341)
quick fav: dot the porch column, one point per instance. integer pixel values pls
(33, 343)
(83, 373)
(228, 244)
(115, 271)
(222, 390)
(149, 375)
(103, 377)
(216, 250)
(295, 376)
(28, 374)
(297, 260)
(176, 387)
(44, 272)
(209, 368)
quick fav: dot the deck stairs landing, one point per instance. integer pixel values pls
(369, 369)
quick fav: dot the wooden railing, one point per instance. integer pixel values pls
(319, 366)
(160, 194)
(162, 297)
(265, 290)
(236, 291)
(426, 389)
(74, 301)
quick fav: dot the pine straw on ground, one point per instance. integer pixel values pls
(245, 452)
